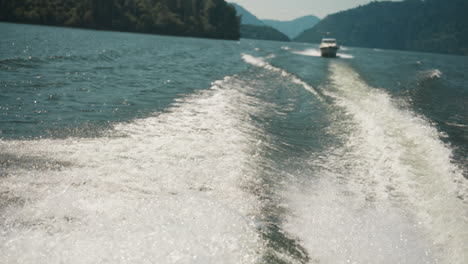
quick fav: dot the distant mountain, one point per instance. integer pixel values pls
(253, 28)
(417, 25)
(294, 27)
(262, 32)
(247, 18)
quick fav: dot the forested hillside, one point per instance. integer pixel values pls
(430, 26)
(262, 32)
(198, 18)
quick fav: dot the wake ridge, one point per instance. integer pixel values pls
(261, 63)
(392, 184)
(169, 187)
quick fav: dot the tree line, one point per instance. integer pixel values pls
(262, 32)
(196, 18)
(418, 25)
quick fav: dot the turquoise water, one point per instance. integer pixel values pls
(131, 148)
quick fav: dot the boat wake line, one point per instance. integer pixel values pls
(260, 62)
(316, 53)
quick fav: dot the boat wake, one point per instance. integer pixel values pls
(309, 52)
(168, 188)
(344, 56)
(316, 53)
(432, 74)
(260, 62)
(389, 194)
(252, 170)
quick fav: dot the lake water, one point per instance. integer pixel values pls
(132, 148)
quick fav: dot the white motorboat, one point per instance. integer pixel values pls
(329, 48)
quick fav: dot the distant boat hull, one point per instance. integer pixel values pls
(329, 52)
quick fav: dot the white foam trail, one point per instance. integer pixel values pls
(456, 125)
(309, 52)
(390, 194)
(169, 189)
(344, 56)
(260, 62)
(316, 53)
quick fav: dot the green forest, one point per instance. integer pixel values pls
(262, 32)
(196, 18)
(430, 26)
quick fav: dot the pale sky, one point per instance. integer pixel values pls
(291, 9)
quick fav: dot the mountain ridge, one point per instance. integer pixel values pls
(293, 28)
(253, 28)
(290, 28)
(415, 25)
(247, 17)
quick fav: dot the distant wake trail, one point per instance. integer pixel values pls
(260, 62)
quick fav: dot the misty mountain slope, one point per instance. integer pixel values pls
(247, 18)
(294, 27)
(429, 26)
(253, 28)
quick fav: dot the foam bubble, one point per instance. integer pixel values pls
(433, 74)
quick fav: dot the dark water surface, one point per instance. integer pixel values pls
(130, 148)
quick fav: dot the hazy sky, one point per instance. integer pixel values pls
(291, 9)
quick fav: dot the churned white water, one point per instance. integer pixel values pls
(251, 170)
(309, 52)
(316, 53)
(164, 189)
(389, 194)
